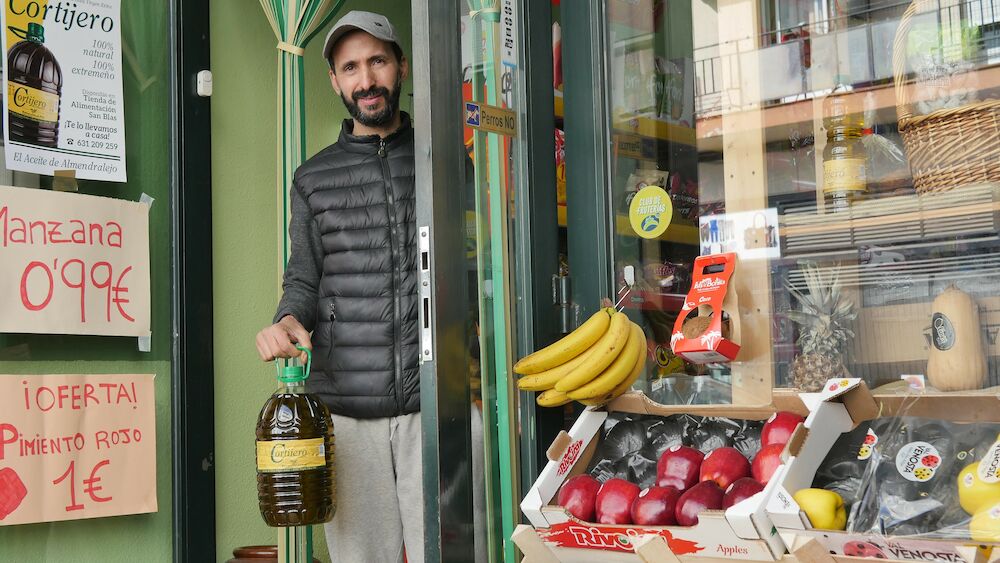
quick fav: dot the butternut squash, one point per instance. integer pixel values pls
(957, 361)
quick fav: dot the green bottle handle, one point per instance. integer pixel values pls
(309, 358)
(277, 365)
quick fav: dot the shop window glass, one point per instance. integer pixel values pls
(847, 152)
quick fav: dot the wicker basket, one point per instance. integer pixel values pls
(947, 148)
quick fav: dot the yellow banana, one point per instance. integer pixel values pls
(602, 353)
(567, 347)
(623, 387)
(638, 370)
(618, 371)
(548, 378)
(598, 401)
(552, 398)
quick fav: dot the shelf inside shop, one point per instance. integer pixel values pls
(961, 212)
(676, 232)
(654, 301)
(709, 130)
(656, 128)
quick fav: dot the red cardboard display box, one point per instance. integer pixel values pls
(709, 295)
(742, 532)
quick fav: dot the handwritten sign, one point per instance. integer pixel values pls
(73, 264)
(76, 446)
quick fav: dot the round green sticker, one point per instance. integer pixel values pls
(650, 212)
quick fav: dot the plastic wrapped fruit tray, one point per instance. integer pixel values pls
(906, 469)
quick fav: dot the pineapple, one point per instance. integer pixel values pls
(824, 322)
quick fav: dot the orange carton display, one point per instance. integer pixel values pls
(709, 295)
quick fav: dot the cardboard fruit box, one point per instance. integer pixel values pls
(743, 532)
(839, 408)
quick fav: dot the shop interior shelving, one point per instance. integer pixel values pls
(893, 220)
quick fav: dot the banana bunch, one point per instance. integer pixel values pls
(595, 363)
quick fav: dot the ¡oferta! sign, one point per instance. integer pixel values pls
(76, 446)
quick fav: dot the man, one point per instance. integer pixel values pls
(351, 282)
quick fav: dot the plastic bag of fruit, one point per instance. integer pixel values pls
(920, 478)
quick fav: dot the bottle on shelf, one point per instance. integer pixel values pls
(844, 157)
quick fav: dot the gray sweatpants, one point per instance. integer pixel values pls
(380, 505)
(380, 501)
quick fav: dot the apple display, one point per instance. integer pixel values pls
(578, 495)
(614, 501)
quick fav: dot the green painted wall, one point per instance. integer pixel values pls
(247, 239)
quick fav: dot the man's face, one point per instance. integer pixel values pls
(368, 78)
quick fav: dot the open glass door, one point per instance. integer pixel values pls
(466, 126)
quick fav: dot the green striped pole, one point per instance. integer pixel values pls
(294, 23)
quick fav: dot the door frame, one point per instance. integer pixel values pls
(445, 404)
(590, 219)
(193, 400)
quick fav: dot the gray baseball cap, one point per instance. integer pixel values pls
(376, 25)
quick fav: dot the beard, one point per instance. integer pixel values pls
(381, 117)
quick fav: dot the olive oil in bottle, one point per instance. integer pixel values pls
(844, 157)
(34, 86)
(295, 472)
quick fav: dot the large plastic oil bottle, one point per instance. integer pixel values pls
(34, 88)
(295, 472)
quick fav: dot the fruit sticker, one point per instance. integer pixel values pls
(835, 387)
(868, 447)
(918, 461)
(931, 461)
(989, 466)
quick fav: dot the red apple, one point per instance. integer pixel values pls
(678, 467)
(724, 466)
(614, 501)
(655, 506)
(767, 461)
(704, 496)
(741, 489)
(578, 495)
(778, 429)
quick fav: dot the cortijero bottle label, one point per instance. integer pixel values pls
(32, 103)
(290, 455)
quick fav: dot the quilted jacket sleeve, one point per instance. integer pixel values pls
(302, 274)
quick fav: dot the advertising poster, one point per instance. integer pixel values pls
(73, 264)
(63, 107)
(76, 446)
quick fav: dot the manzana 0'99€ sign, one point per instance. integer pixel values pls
(73, 264)
(63, 100)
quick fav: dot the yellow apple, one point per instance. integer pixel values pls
(824, 508)
(985, 524)
(973, 493)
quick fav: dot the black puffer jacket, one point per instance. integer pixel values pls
(351, 276)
